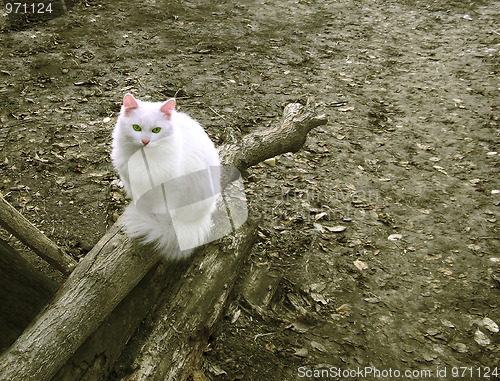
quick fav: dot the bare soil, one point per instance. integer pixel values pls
(378, 241)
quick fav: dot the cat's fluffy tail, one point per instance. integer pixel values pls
(176, 240)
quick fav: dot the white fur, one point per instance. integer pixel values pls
(181, 148)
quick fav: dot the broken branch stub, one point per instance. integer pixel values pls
(288, 136)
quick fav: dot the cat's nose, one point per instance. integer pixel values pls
(145, 142)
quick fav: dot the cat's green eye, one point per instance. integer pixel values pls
(156, 130)
(136, 127)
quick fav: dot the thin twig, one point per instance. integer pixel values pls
(216, 113)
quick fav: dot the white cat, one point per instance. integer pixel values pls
(171, 171)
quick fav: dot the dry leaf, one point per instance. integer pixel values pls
(336, 229)
(394, 237)
(298, 327)
(440, 169)
(216, 370)
(302, 352)
(360, 265)
(319, 216)
(490, 325)
(423, 146)
(271, 162)
(319, 298)
(319, 347)
(459, 347)
(198, 375)
(445, 271)
(481, 338)
(346, 109)
(270, 347)
(236, 316)
(447, 323)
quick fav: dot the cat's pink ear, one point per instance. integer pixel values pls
(168, 107)
(130, 103)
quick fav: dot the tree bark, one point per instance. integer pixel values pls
(116, 265)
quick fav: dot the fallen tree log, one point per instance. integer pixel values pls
(115, 266)
(108, 272)
(184, 321)
(24, 291)
(27, 233)
(94, 360)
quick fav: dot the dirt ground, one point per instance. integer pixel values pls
(378, 242)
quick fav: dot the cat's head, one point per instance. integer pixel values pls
(144, 123)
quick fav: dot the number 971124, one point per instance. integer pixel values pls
(28, 8)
